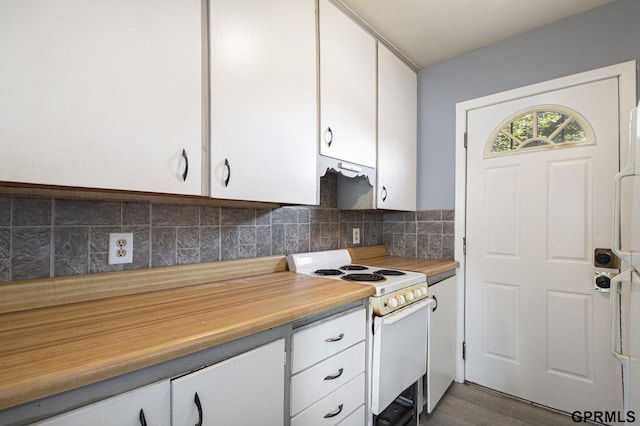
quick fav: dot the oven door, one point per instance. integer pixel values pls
(399, 354)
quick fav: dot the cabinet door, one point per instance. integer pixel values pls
(442, 341)
(247, 389)
(101, 94)
(263, 100)
(397, 133)
(347, 88)
(150, 403)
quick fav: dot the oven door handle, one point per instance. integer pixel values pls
(403, 313)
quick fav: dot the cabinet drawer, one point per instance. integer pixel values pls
(318, 342)
(320, 380)
(336, 407)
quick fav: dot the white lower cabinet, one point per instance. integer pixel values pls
(146, 405)
(328, 372)
(442, 341)
(245, 390)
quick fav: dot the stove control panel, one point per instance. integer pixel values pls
(398, 299)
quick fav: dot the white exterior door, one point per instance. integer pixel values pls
(535, 327)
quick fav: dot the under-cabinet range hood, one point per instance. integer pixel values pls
(356, 183)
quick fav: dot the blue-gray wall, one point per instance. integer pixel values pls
(604, 36)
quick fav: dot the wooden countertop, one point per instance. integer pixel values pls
(62, 333)
(426, 266)
(376, 256)
(56, 348)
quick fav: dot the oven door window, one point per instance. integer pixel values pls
(399, 356)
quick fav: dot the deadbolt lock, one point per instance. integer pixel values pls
(604, 258)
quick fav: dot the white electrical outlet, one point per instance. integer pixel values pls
(356, 235)
(120, 248)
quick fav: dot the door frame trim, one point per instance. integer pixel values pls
(625, 72)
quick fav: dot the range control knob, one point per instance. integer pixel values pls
(409, 296)
(401, 299)
(424, 289)
(393, 302)
(417, 292)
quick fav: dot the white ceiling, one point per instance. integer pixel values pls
(430, 31)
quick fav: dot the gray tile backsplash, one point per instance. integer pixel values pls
(427, 234)
(42, 237)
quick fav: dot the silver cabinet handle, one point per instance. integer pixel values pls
(335, 339)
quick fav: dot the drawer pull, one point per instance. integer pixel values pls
(334, 413)
(335, 376)
(196, 400)
(143, 420)
(335, 339)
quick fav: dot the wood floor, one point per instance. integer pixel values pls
(466, 404)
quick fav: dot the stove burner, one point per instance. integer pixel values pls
(328, 272)
(353, 268)
(363, 277)
(389, 272)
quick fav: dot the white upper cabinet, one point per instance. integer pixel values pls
(347, 88)
(397, 133)
(102, 94)
(263, 100)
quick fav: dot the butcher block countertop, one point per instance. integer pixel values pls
(62, 333)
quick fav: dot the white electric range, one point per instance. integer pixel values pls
(398, 329)
(395, 289)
